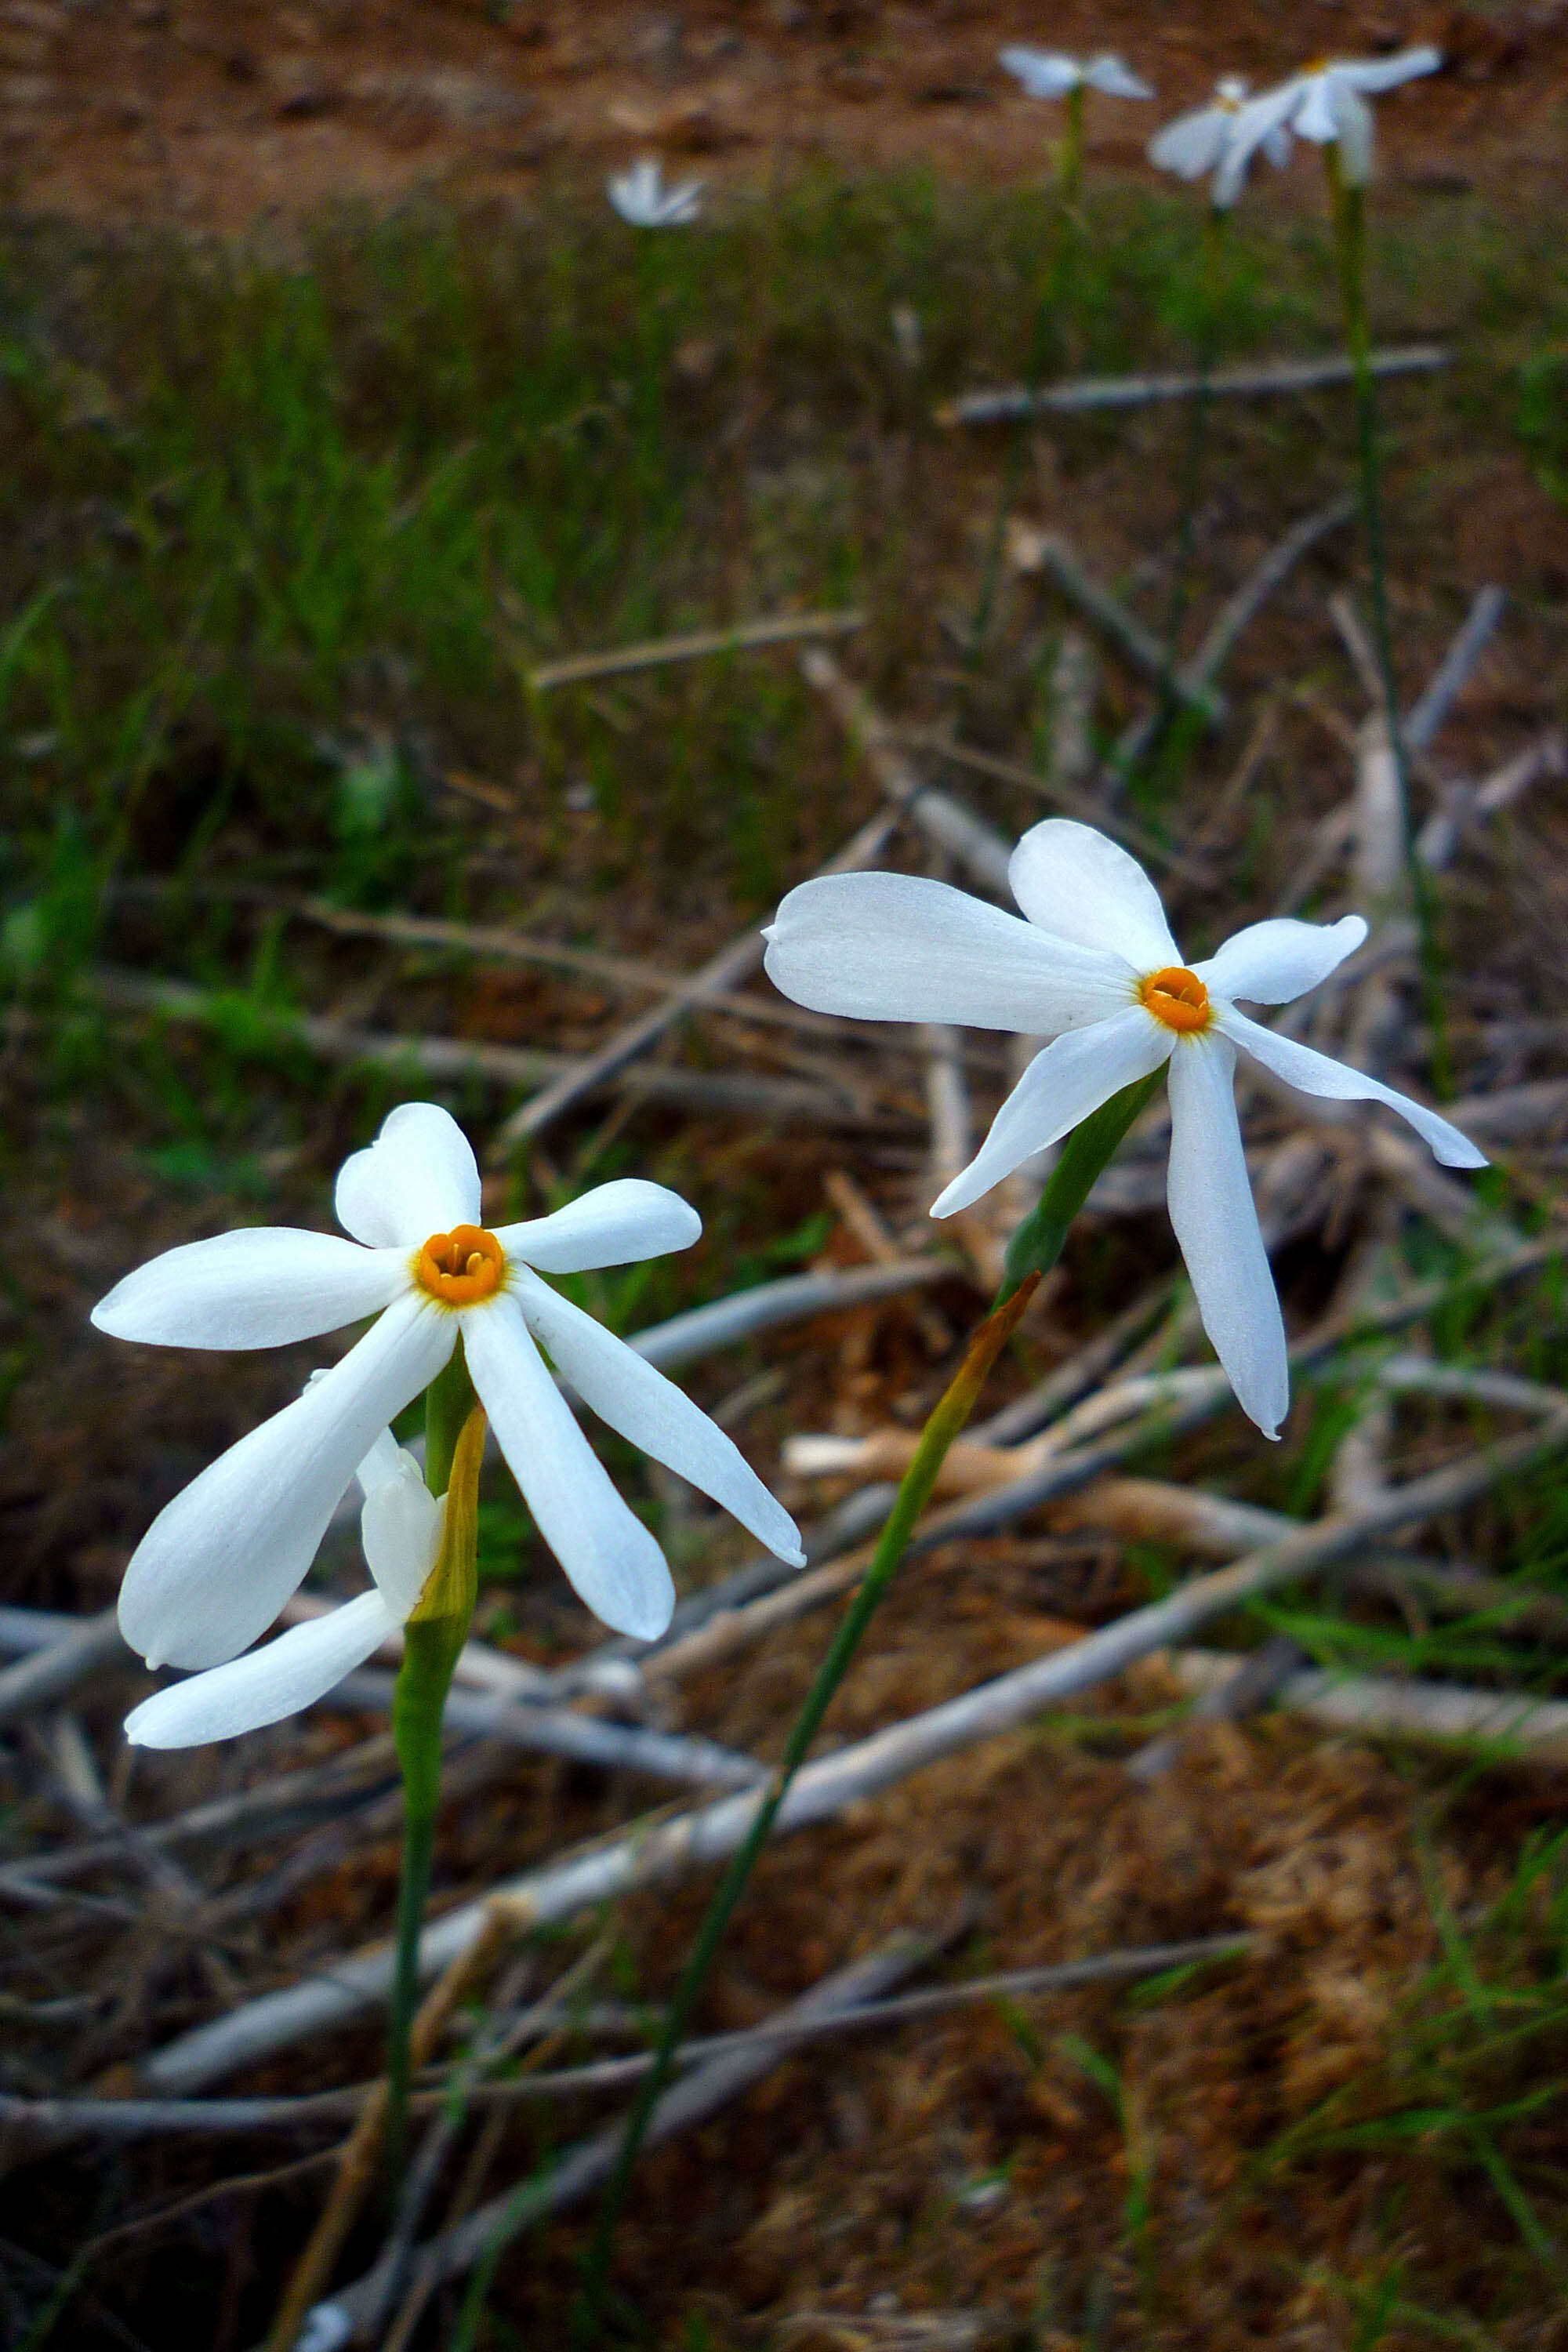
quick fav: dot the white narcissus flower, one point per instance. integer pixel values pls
(1048, 73)
(641, 197)
(1327, 102)
(220, 1561)
(1093, 966)
(400, 1530)
(1218, 139)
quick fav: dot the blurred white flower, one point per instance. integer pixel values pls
(1218, 139)
(641, 197)
(1327, 103)
(1048, 73)
(400, 1529)
(219, 1561)
(1331, 102)
(1093, 965)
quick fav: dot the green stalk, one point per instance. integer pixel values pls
(1034, 1249)
(1348, 198)
(433, 1639)
(1214, 220)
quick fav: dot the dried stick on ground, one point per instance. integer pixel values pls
(863, 1221)
(1430, 709)
(1153, 1510)
(945, 822)
(510, 1066)
(498, 944)
(832, 1542)
(1225, 633)
(651, 1854)
(265, 1810)
(557, 1731)
(784, 630)
(1253, 383)
(1378, 1707)
(724, 1322)
(1245, 1685)
(720, 973)
(359, 2159)
(1466, 805)
(50, 1673)
(699, 2095)
(1045, 551)
(501, 2040)
(1153, 852)
(42, 2123)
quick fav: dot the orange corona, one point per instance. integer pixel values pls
(459, 1267)
(1177, 997)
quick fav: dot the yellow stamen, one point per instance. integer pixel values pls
(459, 1267)
(1178, 998)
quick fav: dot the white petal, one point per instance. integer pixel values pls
(1316, 116)
(219, 1561)
(1193, 143)
(1216, 1221)
(1257, 125)
(1072, 1078)
(609, 1556)
(299, 1667)
(651, 1413)
(1315, 1074)
(1276, 145)
(1044, 73)
(1274, 962)
(260, 1287)
(1107, 73)
(893, 947)
(418, 1178)
(1079, 885)
(383, 1461)
(615, 1224)
(1387, 73)
(400, 1531)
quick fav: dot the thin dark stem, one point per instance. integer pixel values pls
(1054, 304)
(1197, 452)
(1349, 199)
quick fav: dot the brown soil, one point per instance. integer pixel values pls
(221, 112)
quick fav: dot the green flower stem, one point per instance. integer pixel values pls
(1209, 284)
(433, 1639)
(1348, 203)
(1034, 1248)
(1069, 159)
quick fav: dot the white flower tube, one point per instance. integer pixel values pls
(1093, 961)
(220, 1561)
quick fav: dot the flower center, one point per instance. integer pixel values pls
(1177, 997)
(459, 1267)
